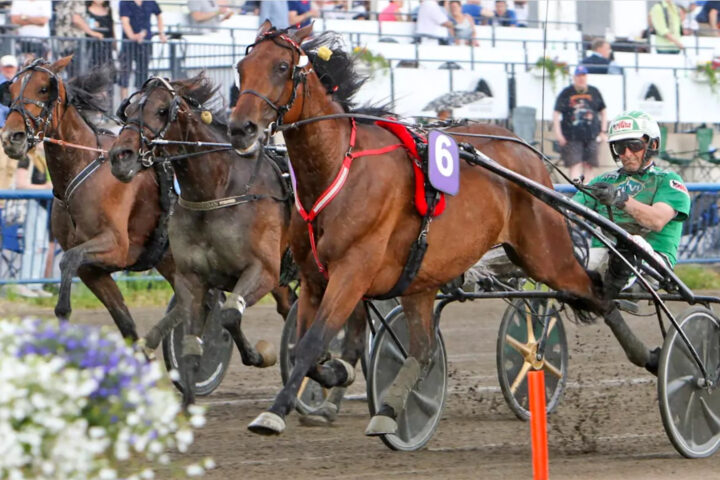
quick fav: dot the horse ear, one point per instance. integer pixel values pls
(266, 25)
(60, 65)
(303, 33)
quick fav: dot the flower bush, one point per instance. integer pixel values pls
(374, 61)
(709, 70)
(553, 67)
(77, 403)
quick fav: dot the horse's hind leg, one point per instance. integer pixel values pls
(106, 290)
(418, 310)
(282, 296)
(253, 284)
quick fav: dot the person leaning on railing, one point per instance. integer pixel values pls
(33, 17)
(209, 13)
(665, 21)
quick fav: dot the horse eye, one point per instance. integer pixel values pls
(163, 111)
(44, 90)
(283, 67)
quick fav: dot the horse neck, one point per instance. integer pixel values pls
(203, 177)
(317, 149)
(64, 163)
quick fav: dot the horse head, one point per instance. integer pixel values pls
(269, 79)
(33, 97)
(148, 115)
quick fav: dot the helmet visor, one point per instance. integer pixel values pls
(634, 144)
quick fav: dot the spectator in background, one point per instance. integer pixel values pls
(70, 22)
(503, 16)
(464, 25)
(135, 17)
(33, 17)
(208, 13)
(99, 19)
(391, 12)
(8, 69)
(708, 19)
(583, 125)
(599, 59)
(251, 7)
(522, 13)
(433, 25)
(32, 175)
(665, 21)
(688, 12)
(301, 13)
(276, 12)
(475, 10)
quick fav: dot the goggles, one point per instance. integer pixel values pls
(634, 144)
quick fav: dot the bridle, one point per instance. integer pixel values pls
(137, 123)
(43, 120)
(299, 73)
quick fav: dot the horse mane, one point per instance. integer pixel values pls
(89, 92)
(337, 74)
(200, 92)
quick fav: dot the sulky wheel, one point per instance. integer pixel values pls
(520, 329)
(690, 411)
(217, 351)
(417, 423)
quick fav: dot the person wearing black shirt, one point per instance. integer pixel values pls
(583, 125)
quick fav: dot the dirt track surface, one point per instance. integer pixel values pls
(607, 426)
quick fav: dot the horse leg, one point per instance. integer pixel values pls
(421, 327)
(282, 300)
(353, 348)
(106, 290)
(343, 292)
(254, 282)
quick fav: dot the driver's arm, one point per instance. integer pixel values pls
(654, 216)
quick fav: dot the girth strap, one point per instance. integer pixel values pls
(84, 174)
(218, 203)
(334, 188)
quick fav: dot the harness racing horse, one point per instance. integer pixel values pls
(229, 229)
(102, 224)
(356, 239)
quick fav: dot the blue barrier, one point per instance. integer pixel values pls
(700, 243)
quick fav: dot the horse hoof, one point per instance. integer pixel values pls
(267, 352)
(267, 423)
(142, 345)
(381, 425)
(350, 372)
(324, 416)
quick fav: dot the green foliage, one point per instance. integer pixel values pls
(374, 61)
(699, 277)
(553, 68)
(709, 70)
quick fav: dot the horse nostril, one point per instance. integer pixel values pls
(250, 128)
(18, 137)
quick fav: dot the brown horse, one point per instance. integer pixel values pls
(229, 229)
(102, 224)
(362, 237)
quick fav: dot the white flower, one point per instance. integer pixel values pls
(147, 474)
(209, 463)
(194, 470)
(107, 474)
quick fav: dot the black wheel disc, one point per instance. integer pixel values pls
(520, 329)
(418, 422)
(690, 411)
(217, 352)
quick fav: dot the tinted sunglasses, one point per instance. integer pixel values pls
(635, 145)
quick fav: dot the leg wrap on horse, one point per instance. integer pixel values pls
(192, 345)
(406, 379)
(234, 302)
(634, 348)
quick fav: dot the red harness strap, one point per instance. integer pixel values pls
(334, 188)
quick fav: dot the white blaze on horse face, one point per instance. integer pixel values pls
(237, 78)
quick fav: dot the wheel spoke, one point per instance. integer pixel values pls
(713, 420)
(390, 351)
(517, 345)
(530, 331)
(552, 369)
(521, 376)
(428, 405)
(677, 384)
(403, 423)
(553, 321)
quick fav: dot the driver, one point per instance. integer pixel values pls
(648, 202)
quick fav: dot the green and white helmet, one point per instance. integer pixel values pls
(633, 124)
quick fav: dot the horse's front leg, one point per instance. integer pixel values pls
(343, 292)
(419, 313)
(106, 290)
(283, 299)
(103, 250)
(254, 282)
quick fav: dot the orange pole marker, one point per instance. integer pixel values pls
(538, 424)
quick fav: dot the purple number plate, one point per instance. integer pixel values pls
(444, 163)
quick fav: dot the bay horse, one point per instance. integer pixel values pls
(102, 224)
(356, 240)
(229, 228)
